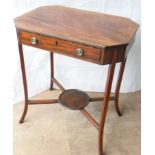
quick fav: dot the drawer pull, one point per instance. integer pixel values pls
(79, 52)
(34, 40)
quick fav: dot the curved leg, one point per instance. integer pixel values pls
(52, 69)
(24, 82)
(24, 113)
(104, 107)
(118, 85)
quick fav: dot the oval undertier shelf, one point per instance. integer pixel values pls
(74, 99)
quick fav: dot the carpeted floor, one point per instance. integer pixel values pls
(55, 130)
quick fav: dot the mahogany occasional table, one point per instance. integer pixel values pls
(95, 37)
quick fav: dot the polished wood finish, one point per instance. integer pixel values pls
(74, 99)
(75, 25)
(24, 82)
(93, 37)
(91, 54)
(60, 46)
(104, 107)
(98, 34)
(43, 42)
(93, 99)
(106, 54)
(118, 85)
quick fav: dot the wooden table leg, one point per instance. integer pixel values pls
(118, 85)
(104, 107)
(52, 69)
(24, 82)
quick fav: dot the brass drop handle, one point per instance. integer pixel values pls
(34, 40)
(79, 52)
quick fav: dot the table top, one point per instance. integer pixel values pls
(86, 27)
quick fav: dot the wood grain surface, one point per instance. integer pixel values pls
(86, 27)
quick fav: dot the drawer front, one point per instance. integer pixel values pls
(78, 51)
(36, 40)
(60, 46)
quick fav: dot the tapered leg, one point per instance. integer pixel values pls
(52, 69)
(24, 82)
(104, 107)
(118, 85)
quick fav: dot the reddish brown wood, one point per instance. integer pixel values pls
(104, 107)
(24, 82)
(60, 46)
(90, 118)
(118, 85)
(93, 99)
(80, 26)
(102, 38)
(74, 99)
(53, 101)
(106, 54)
(51, 69)
(43, 42)
(58, 84)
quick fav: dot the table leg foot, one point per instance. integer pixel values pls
(51, 85)
(24, 113)
(117, 108)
